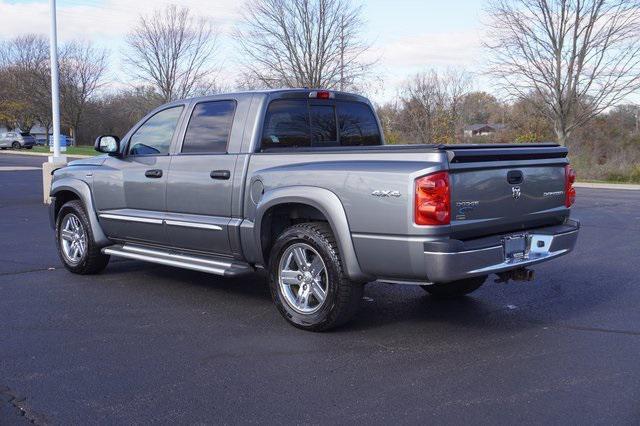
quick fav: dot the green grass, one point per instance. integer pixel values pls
(71, 150)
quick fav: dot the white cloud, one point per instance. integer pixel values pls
(107, 23)
(111, 19)
(400, 57)
(433, 50)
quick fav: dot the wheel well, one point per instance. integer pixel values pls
(280, 217)
(63, 197)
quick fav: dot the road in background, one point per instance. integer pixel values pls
(146, 343)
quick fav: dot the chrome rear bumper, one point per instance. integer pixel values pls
(445, 266)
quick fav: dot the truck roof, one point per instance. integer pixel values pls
(280, 93)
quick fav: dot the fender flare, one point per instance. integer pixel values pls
(329, 205)
(82, 190)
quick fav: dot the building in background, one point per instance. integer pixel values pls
(483, 129)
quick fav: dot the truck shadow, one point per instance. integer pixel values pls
(494, 307)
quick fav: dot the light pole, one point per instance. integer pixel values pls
(56, 160)
(55, 91)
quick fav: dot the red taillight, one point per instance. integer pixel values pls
(569, 190)
(433, 200)
(321, 94)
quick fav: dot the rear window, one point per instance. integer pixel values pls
(323, 125)
(358, 125)
(286, 124)
(298, 123)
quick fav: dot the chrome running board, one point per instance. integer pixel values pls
(227, 268)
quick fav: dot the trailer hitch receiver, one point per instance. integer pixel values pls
(520, 274)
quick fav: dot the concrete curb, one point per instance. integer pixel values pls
(41, 154)
(594, 185)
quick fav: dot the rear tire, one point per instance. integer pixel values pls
(313, 245)
(15, 145)
(454, 289)
(75, 242)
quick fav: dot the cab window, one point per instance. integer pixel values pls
(209, 127)
(358, 125)
(323, 125)
(286, 124)
(155, 135)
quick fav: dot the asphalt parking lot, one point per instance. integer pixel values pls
(148, 344)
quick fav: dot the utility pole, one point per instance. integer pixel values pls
(56, 160)
(342, 54)
(55, 90)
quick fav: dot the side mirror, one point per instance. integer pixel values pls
(107, 144)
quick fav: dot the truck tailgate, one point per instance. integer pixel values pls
(506, 188)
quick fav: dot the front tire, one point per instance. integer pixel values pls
(454, 289)
(307, 281)
(76, 245)
(16, 145)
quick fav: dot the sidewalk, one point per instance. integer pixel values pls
(594, 185)
(39, 154)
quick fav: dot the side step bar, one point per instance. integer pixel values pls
(210, 265)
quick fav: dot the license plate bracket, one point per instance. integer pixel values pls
(516, 246)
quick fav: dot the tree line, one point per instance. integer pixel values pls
(562, 70)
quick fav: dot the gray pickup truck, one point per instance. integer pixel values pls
(300, 183)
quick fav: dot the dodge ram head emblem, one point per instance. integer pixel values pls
(516, 192)
(379, 193)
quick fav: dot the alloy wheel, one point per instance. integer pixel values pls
(73, 238)
(302, 277)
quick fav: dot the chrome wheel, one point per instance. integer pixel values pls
(73, 238)
(303, 278)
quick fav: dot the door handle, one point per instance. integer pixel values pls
(220, 174)
(153, 173)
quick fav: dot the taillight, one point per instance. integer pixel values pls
(569, 190)
(433, 200)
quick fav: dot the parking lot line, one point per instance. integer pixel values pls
(17, 168)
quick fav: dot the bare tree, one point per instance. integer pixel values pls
(578, 57)
(173, 51)
(303, 43)
(433, 101)
(82, 69)
(25, 62)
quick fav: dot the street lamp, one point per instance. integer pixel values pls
(55, 90)
(56, 160)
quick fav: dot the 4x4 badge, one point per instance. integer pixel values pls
(379, 193)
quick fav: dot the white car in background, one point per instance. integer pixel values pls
(17, 140)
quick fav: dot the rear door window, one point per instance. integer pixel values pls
(286, 124)
(209, 127)
(358, 125)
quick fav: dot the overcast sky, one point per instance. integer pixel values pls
(407, 35)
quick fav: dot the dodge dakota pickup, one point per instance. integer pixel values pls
(301, 184)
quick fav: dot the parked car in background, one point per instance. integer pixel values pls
(17, 140)
(301, 184)
(42, 140)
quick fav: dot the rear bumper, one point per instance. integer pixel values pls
(419, 261)
(546, 244)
